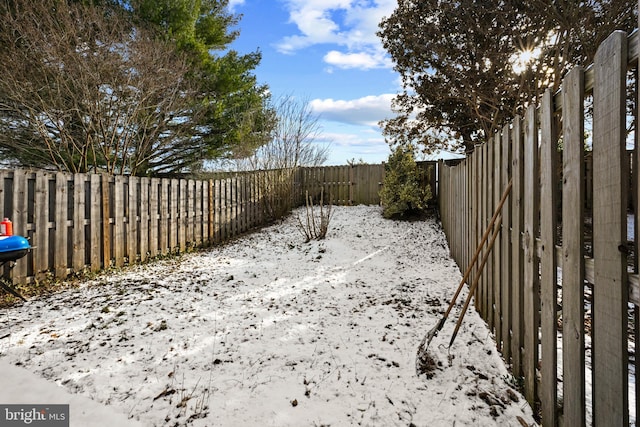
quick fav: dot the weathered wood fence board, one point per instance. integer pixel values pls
(521, 296)
(573, 194)
(548, 265)
(610, 295)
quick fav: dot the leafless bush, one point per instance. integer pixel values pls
(276, 187)
(293, 145)
(316, 223)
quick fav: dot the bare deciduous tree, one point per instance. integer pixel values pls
(294, 138)
(82, 90)
(293, 144)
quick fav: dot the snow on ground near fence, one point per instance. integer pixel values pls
(270, 331)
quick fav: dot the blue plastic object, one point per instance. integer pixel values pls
(13, 248)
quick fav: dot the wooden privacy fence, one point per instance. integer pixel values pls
(595, 298)
(353, 184)
(89, 222)
(79, 222)
(346, 185)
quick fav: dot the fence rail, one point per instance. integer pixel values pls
(548, 228)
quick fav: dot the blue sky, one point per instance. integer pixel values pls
(326, 51)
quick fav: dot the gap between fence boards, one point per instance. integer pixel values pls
(589, 275)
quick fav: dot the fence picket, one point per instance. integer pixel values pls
(61, 236)
(610, 293)
(132, 219)
(496, 279)
(573, 196)
(517, 258)
(530, 267)
(480, 292)
(548, 265)
(143, 225)
(164, 202)
(119, 232)
(182, 219)
(20, 216)
(41, 217)
(78, 245)
(174, 211)
(505, 285)
(95, 222)
(107, 236)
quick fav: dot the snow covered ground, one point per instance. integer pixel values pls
(270, 331)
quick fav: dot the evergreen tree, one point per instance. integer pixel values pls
(404, 193)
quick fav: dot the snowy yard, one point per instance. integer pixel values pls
(271, 331)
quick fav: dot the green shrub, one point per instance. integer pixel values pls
(404, 192)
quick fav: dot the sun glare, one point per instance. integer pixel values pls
(521, 59)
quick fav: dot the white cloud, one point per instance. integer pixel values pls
(350, 24)
(344, 147)
(234, 3)
(360, 60)
(367, 111)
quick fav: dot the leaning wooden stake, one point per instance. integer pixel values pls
(474, 285)
(424, 344)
